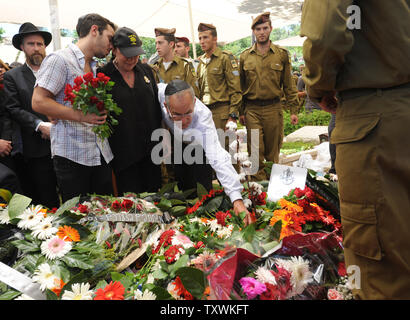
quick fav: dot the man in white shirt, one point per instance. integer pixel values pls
(190, 120)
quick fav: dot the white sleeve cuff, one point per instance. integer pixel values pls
(235, 195)
(38, 125)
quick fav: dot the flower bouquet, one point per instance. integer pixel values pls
(89, 95)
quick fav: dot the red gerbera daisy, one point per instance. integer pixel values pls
(112, 291)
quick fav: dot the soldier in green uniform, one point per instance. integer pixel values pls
(357, 66)
(170, 66)
(218, 78)
(265, 71)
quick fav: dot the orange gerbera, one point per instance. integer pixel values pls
(291, 206)
(68, 234)
(112, 291)
(59, 286)
(283, 215)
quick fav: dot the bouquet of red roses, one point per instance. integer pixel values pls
(90, 95)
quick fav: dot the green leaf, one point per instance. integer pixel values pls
(76, 260)
(6, 195)
(161, 293)
(124, 279)
(164, 204)
(193, 280)
(66, 206)
(167, 188)
(213, 205)
(17, 205)
(181, 262)
(160, 274)
(51, 295)
(200, 190)
(26, 246)
(249, 232)
(10, 295)
(277, 228)
(177, 211)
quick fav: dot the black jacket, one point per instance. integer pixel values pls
(141, 115)
(19, 85)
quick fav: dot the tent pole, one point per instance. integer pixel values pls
(192, 29)
(55, 24)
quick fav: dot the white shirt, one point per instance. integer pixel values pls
(202, 130)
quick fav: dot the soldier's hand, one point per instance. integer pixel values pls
(294, 119)
(242, 120)
(329, 102)
(5, 148)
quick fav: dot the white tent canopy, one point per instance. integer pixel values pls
(296, 41)
(144, 16)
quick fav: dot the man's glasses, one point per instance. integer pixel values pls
(178, 116)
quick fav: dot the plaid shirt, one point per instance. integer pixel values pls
(70, 139)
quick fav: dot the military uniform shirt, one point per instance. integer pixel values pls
(219, 80)
(263, 76)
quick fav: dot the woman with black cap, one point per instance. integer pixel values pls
(136, 92)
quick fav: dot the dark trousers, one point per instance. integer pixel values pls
(75, 179)
(188, 175)
(37, 179)
(332, 147)
(142, 176)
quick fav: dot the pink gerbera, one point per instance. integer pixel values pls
(252, 287)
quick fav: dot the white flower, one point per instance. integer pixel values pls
(44, 229)
(213, 224)
(231, 125)
(24, 297)
(248, 203)
(55, 248)
(195, 219)
(225, 232)
(301, 275)
(242, 177)
(241, 156)
(147, 295)
(30, 217)
(45, 277)
(265, 276)
(79, 292)
(4, 216)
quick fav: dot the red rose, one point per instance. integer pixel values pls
(106, 79)
(116, 205)
(95, 83)
(299, 193)
(88, 77)
(100, 106)
(82, 208)
(100, 75)
(78, 81)
(127, 204)
(68, 89)
(94, 100)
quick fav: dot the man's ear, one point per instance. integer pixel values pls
(94, 29)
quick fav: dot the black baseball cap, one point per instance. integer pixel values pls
(128, 42)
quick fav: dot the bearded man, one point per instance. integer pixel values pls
(33, 166)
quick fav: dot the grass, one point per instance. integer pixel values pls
(297, 146)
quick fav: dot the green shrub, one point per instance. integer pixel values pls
(315, 118)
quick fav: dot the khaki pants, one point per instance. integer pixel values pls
(268, 120)
(372, 138)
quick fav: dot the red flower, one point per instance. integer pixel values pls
(88, 77)
(100, 76)
(272, 292)
(78, 81)
(283, 282)
(199, 245)
(310, 195)
(112, 291)
(221, 217)
(180, 289)
(95, 83)
(100, 106)
(341, 269)
(116, 205)
(139, 207)
(94, 100)
(299, 193)
(303, 203)
(171, 254)
(261, 199)
(127, 204)
(82, 208)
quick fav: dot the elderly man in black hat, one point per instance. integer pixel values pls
(35, 168)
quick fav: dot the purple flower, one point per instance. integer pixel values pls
(251, 287)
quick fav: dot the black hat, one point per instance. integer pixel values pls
(28, 28)
(128, 42)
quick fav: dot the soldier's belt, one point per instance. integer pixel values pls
(218, 104)
(261, 103)
(354, 93)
